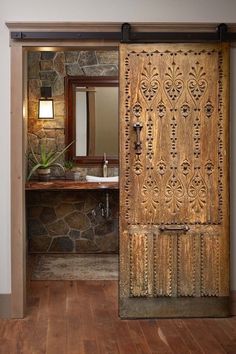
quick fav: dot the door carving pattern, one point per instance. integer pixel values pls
(177, 179)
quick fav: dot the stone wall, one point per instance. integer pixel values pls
(71, 222)
(66, 221)
(49, 69)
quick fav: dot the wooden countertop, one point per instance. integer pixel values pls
(62, 184)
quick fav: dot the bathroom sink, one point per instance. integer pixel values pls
(102, 179)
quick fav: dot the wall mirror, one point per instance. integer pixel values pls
(92, 118)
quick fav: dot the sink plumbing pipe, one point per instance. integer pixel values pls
(105, 209)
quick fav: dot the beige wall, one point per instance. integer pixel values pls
(5, 265)
(77, 10)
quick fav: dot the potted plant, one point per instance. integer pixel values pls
(46, 160)
(69, 166)
(71, 170)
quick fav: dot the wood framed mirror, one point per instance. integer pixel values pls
(92, 119)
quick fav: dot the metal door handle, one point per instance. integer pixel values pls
(174, 228)
(138, 145)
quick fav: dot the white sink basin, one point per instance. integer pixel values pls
(102, 179)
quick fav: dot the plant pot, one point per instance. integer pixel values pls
(69, 175)
(72, 175)
(44, 174)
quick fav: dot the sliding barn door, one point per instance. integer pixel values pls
(174, 227)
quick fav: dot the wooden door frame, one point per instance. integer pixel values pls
(18, 131)
(19, 119)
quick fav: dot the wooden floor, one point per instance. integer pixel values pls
(81, 317)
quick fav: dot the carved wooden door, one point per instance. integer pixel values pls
(174, 248)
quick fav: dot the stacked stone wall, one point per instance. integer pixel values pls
(66, 221)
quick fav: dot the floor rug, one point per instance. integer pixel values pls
(75, 267)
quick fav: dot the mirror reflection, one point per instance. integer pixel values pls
(96, 113)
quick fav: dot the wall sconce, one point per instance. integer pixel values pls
(46, 110)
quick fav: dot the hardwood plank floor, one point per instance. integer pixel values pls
(81, 317)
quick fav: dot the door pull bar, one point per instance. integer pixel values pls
(138, 145)
(174, 228)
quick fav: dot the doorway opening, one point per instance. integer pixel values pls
(72, 234)
(19, 151)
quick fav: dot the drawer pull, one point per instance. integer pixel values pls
(174, 228)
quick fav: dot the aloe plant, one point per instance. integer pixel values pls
(47, 159)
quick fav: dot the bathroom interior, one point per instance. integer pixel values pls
(72, 207)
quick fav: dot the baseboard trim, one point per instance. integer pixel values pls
(5, 305)
(233, 303)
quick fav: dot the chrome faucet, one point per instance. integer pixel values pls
(105, 165)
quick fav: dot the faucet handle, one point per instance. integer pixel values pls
(105, 164)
